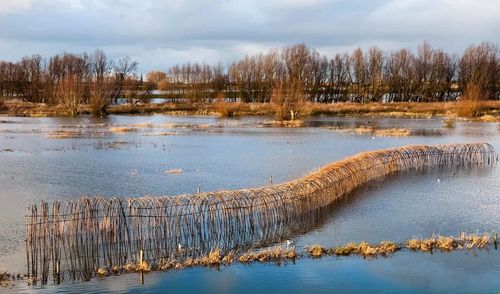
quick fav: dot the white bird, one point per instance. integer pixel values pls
(288, 243)
(373, 138)
(439, 180)
(179, 247)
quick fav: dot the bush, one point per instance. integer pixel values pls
(470, 102)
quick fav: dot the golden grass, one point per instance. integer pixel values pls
(489, 118)
(229, 258)
(284, 123)
(101, 272)
(214, 257)
(174, 171)
(64, 134)
(316, 250)
(6, 280)
(122, 129)
(449, 243)
(449, 123)
(365, 249)
(143, 267)
(371, 131)
(275, 254)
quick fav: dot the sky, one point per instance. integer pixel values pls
(162, 33)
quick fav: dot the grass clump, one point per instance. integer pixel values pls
(421, 244)
(475, 240)
(348, 249)
(316, 251)
(143, 267)
(446, 243)
(101, 272)
(122, 129)
(247, 257)
(6, 280)
(449, 123)
(214, 257)
(229, 258)
(388, 247)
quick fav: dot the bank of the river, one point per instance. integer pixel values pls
(486, 111)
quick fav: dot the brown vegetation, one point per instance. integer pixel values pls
(469, 104)
(449, 243)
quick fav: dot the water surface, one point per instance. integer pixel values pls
(36, 164)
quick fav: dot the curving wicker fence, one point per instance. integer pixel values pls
(74, 238)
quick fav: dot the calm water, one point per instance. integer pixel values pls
(234, 153)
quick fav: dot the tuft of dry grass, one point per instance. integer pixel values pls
(229, 257)
(348, 249)
(247, 257)
(284, 123)
(101, 272)
(122, 129)
(449, 123)
(446, 243)
(388, 247)
(393, 132)
(489, 118)
(174, 171)
(6, 280)
(214, 257)
(143, 267)
(316, 250)
(449, 243)
(64, 134)
(365, 249)
(290, 253)
(421, 244)
(371, 131)
(475, 240)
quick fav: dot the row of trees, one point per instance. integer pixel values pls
(69, 80)
(288, 76)
(428, 74)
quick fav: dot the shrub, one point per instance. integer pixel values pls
(470, 103)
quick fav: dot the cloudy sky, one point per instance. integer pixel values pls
(160, 33)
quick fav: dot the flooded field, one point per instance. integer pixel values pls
(129, 156)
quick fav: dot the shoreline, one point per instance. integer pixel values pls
(486, 111)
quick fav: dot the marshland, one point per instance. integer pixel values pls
(61, 158)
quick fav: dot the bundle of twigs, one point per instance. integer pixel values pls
(72, 239)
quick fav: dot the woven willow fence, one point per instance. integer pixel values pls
(76, 237)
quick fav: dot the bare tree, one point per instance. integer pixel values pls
(125, 69)
(72, 80)
(103, 82)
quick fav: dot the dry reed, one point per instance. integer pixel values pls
(122, 129)
(86, 234)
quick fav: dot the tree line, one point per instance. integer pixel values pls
(428, 74)
(286, 76)
(70, 80)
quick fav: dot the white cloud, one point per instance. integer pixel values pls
(11, 6)
(161, 33)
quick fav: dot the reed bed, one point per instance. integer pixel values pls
(73, 239)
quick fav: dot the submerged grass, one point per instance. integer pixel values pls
(122, 129)
(280, 254)
(449, 243)
(372, 131)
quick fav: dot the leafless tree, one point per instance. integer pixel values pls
(103, 82)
